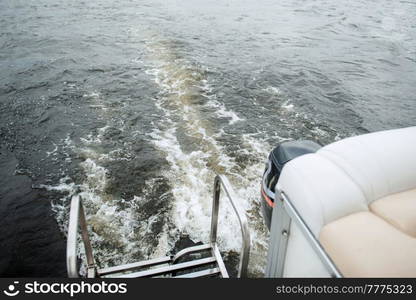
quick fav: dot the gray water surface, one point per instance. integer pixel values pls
(137, 104)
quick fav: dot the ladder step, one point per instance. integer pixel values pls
(190, 250)
(170, 269)
(127, 267)
(203, 273)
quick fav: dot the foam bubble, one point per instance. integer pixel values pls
(272, 90)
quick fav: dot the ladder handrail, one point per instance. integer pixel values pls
(219, 181)
(77, 218)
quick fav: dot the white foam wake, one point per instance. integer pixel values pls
(192, 172)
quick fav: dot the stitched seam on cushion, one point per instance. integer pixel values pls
(381, 165)
(345, 172)
(388, 219)
(378, 217)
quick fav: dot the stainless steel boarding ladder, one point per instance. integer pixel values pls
(169, 266)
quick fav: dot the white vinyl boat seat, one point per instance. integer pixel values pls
(365, 245)
(399, 210)
(358, 196)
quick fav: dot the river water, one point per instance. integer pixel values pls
(137, 104)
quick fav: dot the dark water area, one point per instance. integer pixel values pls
(31, 242)
(137, 104)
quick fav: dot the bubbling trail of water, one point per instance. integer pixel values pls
(189, 140)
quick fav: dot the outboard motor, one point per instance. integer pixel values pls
(279, 156)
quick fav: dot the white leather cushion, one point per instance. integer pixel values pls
(320, 191)
(365, 245)
(380, 163)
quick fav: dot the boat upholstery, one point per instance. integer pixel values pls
(399, 210)
(365, 245)
(360, 183)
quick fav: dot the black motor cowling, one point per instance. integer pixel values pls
(279, 156)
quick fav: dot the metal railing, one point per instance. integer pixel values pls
(77, 221)
(77, 218)
(284, 212)
(245, 249)
(309, 236)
